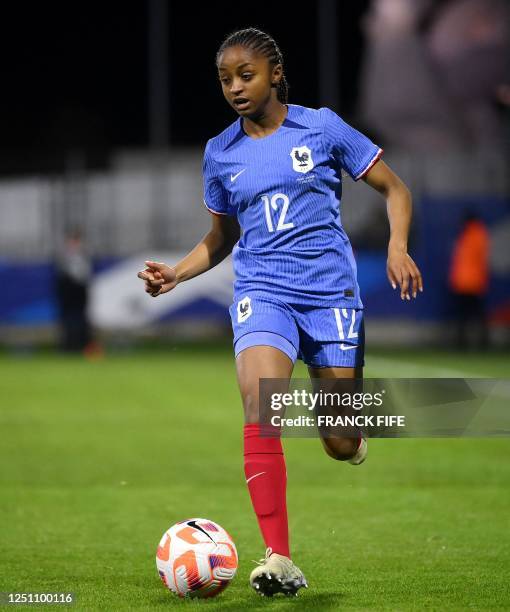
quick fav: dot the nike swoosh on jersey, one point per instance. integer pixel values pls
(233, 177)
(255, 476)
(348, 348)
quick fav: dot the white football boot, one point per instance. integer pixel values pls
(277, 574)
(361, 454)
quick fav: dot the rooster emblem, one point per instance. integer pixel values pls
(301, 159)
(243, 309)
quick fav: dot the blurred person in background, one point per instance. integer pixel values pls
(73, 273)
(469, 281)
(436, 73)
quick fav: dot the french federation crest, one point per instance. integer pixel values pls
(243, 309)
(301, 159)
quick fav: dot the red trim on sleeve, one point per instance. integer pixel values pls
(214, 212)
(370, 165)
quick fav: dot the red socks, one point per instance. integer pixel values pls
(266, 476)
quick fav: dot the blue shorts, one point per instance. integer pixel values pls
(321, 337)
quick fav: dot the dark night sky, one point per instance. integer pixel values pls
(75, 74)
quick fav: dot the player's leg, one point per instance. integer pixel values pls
(265, 341)
(264, 464)
(340, 447)
(332, 342)
(254, 363)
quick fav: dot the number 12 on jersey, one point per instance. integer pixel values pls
(273, 204)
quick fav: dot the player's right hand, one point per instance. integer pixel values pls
(159, 278)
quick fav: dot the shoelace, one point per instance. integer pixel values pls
(269, 552)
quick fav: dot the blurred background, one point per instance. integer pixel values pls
(104, 115)
(105, 109)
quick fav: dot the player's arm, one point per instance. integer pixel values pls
(211, 250)
(401, 269)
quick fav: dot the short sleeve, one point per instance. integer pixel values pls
(351, 149)
(215, 196)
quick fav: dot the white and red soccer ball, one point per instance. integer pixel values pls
(196, 558)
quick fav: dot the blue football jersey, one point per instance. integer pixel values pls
(285, 190)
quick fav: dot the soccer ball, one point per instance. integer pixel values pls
(196, 558)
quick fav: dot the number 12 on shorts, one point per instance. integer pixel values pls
(342, 317)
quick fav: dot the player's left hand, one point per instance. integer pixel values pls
(402, 271)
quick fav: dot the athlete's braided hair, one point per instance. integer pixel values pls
(262, 43)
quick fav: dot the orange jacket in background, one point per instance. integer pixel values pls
(469, 270)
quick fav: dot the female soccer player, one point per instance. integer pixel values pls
(275, 173)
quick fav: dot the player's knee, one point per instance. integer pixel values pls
(340, 449)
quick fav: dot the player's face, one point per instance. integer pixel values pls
(246, 78)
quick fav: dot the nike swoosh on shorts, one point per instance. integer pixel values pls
(348, 348)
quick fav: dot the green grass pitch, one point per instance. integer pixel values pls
(99, 458)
